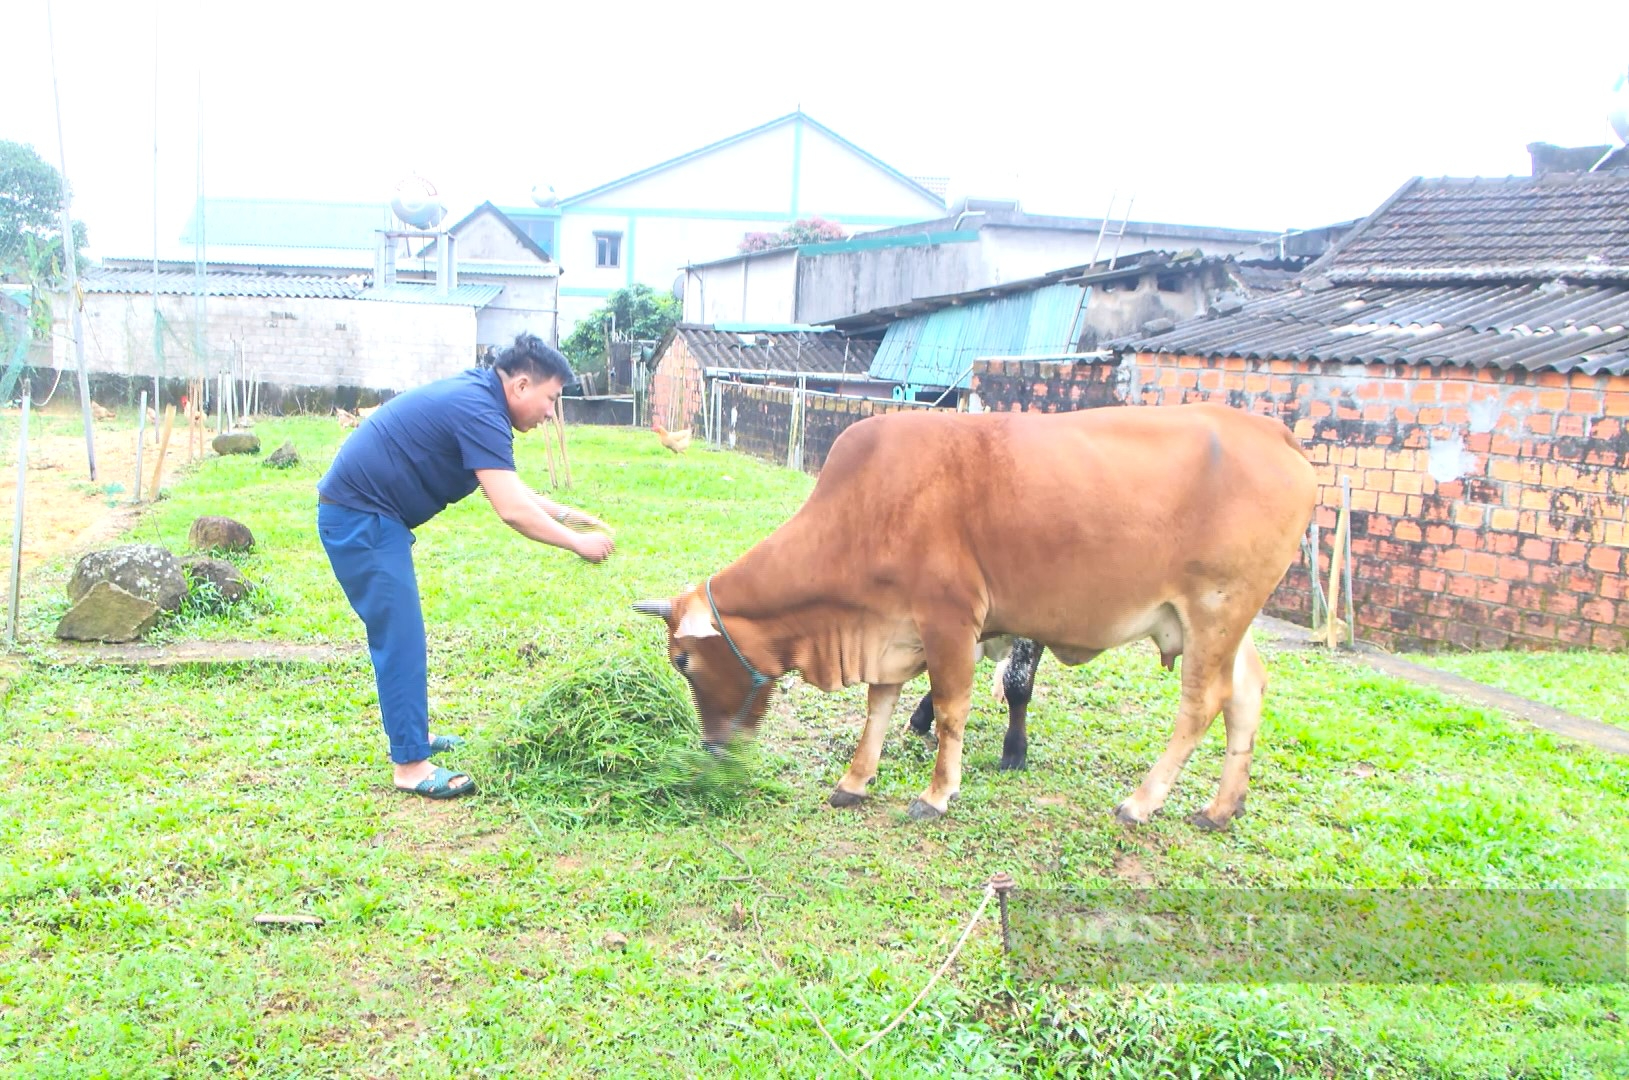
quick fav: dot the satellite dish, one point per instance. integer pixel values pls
(544, 196)
(415, 203)
(678, 288)
(1618, 117)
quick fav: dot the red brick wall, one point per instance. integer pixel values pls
(1488, 507)
(675, 389)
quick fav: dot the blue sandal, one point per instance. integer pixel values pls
(441, 744)
(439, 785)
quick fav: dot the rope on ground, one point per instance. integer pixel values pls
(990, 890)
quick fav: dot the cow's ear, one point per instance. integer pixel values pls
(696, 624)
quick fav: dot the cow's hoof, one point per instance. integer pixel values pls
(840, 798)
(1014, 761)
(921, 810)
(1204, 821)
(1126, 817)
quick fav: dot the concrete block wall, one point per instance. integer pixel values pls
(288, 342)
(1489, 507)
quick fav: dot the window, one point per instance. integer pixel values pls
(608, 249)
(541, 230)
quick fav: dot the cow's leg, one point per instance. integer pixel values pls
(1207, 672)
(1018, 686)
(950, 667)
(1241, 715)
(879, 708)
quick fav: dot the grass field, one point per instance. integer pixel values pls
(1590, 684)
(146, 817)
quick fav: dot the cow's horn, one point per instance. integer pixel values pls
(659, 608)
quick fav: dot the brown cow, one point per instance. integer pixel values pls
(929, 532)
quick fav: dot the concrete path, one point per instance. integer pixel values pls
(1282, 635)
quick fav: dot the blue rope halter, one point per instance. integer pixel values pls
(759, 679)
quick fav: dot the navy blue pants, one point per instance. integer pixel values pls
(372, 557)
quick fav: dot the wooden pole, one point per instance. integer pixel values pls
(141, 437)
(1336, 555)
(1351, 615)
(565, 461)
(548, 455)
(17, 527)
(163, 446)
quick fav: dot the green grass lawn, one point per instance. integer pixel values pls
(1589, 684)
(148, 816)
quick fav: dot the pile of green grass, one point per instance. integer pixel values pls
(614, 740)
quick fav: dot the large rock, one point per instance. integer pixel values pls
(236, 442)
(143, 570)
(108, 613)
(220, 534)
(284, 457)
(219, 573)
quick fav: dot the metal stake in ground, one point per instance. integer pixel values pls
(17, 529)
(141, 436)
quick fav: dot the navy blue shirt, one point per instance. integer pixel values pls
(419, 452)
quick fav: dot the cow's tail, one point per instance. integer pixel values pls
(998, 684)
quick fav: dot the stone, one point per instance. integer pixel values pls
(615, 940)
(105, 612)
(143, 570)
(236, 442)
(223, 575)
(284, 457)
(220, 534)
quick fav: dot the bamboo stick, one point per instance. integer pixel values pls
(1332, 623)
(163, 447)
(565, 460)
(548, 456)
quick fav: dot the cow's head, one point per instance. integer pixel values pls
(729, 693)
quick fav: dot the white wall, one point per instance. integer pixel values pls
(760, 290)
(289, 342)
(526, 303)
(835, 181)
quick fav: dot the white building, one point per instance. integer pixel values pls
(982, 244)
(648, 226)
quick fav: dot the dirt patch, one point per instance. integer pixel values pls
(445, 828)
(1130, 869)
(65, 511)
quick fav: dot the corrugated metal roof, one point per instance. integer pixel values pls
(404, 292)
(1550, 326)
(105, 280)
(938, 348)
(505, 268)
(763, 350)
(1554, 225)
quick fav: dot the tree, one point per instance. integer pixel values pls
(31, 216)
(637, 312)
(801, 231)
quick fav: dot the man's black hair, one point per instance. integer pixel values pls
(529, 356)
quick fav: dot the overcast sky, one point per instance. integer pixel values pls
(1267, 116)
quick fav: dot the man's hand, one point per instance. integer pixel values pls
(593, 547)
